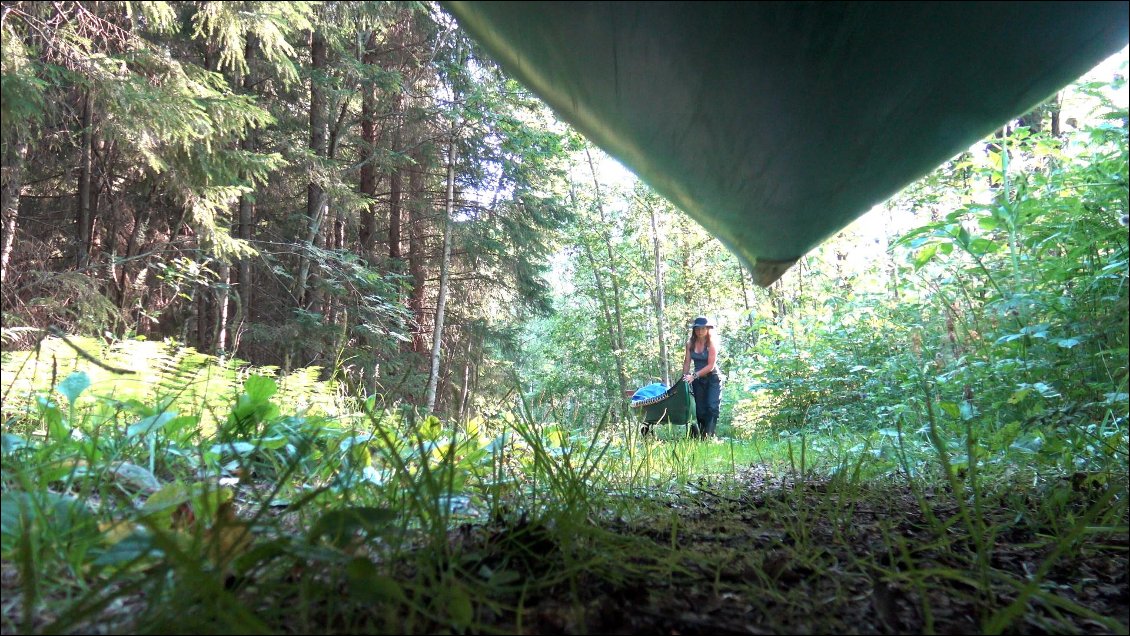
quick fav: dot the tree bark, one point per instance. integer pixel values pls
(745, 295)
(618, 345)
(445, 263)
(1057, 111)
(83, 216)
(223, 313)
(416, 252)
(136, 241)
(10, 191)
(664, 362)
(246, 221)
(315, 194)
(395, 181)
(465, 391)
(368, 231)
(601, 294)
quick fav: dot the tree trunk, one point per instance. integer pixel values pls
(136, 242)
(10, 190)
(223, 313)
(465, 393)
(1057, 111)
(892, 265)
(246, 221)
(777, 301)
(367, 233)
(601, 294)
(315, 194)
(664, 362)
(83, 215)
(609, 322)
(204, 321)
(618, 345)
(416, 252)
(445, 264)
(745, 294)
(394, 192)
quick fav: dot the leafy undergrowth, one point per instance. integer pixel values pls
(750, 553)
(123, 517)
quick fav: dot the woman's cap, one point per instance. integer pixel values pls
(702, 321)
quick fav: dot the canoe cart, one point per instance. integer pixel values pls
(676, 406)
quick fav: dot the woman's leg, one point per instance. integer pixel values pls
(713, 399)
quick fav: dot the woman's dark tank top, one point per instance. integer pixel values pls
(700, 359)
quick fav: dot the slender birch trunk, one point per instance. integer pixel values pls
(664, 362)
(10, 191)
(602, 297)
(618, 345)
(445, 266)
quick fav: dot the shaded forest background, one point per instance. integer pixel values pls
(353, 187)
(289, 183)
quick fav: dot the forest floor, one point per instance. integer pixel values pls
(770, 555)
(755, 554)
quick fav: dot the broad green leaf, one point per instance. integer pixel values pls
(262, 553)
(1045, 390)
(161, 505)
(12, 443)
(259, 388)
(925, 255)
(53, 417)
(62, 519)
(360, 439)
(981, 246)
(73, 386)
(339, 527)
(1018, 395)
(204, 499)
(459, 606)
(951, 408)
(13, 505)
(1029, 443)
(232, 448)
(968, 411)
(136, 545)
(150, 424)
(275, 442)
(134, 478)
(367, 584)
(988, 223)
(963, 237)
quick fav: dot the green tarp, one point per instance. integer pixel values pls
(774, 125)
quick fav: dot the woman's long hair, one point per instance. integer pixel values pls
(708, 340)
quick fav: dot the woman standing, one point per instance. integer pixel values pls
(706, 380)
